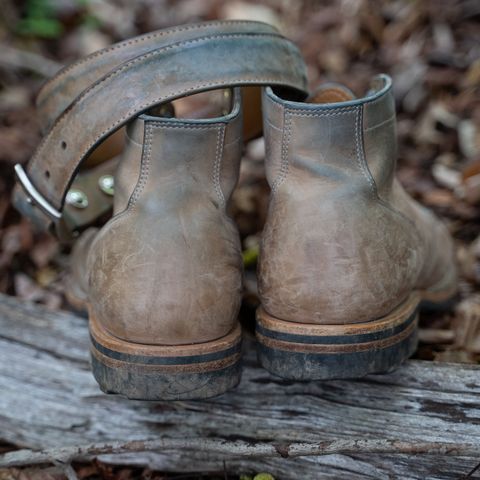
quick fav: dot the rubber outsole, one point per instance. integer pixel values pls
(154, 372)
(323, 352)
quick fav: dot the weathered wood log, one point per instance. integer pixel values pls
(422, 421)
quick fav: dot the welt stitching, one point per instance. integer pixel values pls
(217, 164)
(287, 133)
(145, 168)
(133, 41)
(360, 154)
(132, 62)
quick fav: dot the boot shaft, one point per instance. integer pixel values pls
(170, 161)
(349, 145)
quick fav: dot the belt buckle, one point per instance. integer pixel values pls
(34, 196)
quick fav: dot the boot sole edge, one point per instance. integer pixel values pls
(325, 352)
(154, 372)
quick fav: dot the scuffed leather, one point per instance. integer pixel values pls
(167, 268)
(343, 242)
(61, 90)
(77, 286)
(176, 63)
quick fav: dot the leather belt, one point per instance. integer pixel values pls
(88, 101)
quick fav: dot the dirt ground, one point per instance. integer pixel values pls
(430, 48)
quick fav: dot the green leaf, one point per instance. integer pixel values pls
(263, 476)
(40, 27)
(91, 22)
(250, 256)
(39, 20)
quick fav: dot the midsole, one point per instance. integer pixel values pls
(338, 348)
(339, 339)
(193, 367)
(119, 352)
(397, 317)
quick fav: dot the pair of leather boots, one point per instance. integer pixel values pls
(347, 257)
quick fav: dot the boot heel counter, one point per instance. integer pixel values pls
(158, 288)
(348, 267)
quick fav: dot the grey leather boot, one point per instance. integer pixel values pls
(347, 256)
(165, 274)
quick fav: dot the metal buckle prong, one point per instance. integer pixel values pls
(34, 195)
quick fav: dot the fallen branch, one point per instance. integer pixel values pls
(236, 449)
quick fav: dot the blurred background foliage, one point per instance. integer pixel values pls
(39, 20)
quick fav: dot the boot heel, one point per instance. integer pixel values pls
(300, 351)
(173, 372)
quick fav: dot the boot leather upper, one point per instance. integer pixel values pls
(167, 268)
(343, 242)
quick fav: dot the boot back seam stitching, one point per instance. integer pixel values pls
(217, 163)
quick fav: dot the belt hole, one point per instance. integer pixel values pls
(47, 173)
(64, 145)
